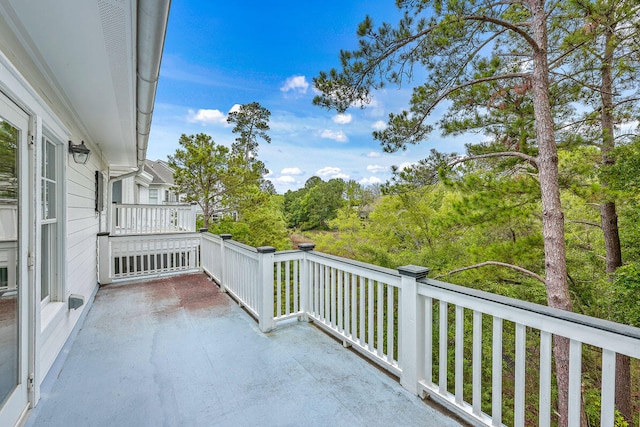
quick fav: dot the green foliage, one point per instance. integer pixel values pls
(205, 173)
(312, 207)
(251, 121)
(261, 226)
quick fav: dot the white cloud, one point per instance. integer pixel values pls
(207, 117)
(285, 179)
(373, 154)
(370, 180)
(336, 135)
(291, 171)
(235, 108)
(342, 119)
(376, 168)
(331, 172)
(379, 125)
(298, 84)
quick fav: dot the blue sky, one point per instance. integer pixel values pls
(219, 54)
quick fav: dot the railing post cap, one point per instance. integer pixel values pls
(226, 236)
(306, 246)
(104, 233)
(203, 230)
(266, 249)
(415, 271)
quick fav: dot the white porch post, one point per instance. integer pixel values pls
(265, 270)
(305, 280)
(411, 356)
(223, 262)
(104, 258)
(191, 224)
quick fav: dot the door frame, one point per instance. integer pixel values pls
(17, 404)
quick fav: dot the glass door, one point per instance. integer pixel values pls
(13, 267)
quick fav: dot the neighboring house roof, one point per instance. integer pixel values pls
(99, 62)
(160, 170)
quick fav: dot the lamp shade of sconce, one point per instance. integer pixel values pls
(80, 152)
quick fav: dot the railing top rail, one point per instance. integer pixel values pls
(290, 255)
(241, 246)
(174, 235)
(354, 264)
(576, 318)
(210, 236)
(146, 205)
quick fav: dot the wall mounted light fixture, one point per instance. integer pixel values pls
(80, 152)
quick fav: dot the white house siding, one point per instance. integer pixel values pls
(82, 226)
(52, 323)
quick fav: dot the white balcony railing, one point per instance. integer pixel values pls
(146, 219)
(428, 333)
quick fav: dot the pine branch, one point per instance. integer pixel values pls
(504, 24)
(577, 221)
(499, 264)
(523, 156)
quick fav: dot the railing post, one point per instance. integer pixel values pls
(305, 280)
(265, 269)
(104, 258)
(201, 253)
(192, 217)
(411, 356)
(223, 263)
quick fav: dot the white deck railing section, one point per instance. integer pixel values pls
(428, 333)
(357, 302)
(146, 219)
(142, 256)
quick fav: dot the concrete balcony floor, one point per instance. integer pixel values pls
(177, 352)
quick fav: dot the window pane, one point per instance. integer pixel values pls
(9, 310)
(51, 200)
(48, 274)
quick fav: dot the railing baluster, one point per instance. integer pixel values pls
(333, 298)
(296, 284)
(361, 328)
(496, 372)
(575, 382)
(442, 356)
(354, 307)
(608, 394)
(380, 320)
(390, 324)
(428, 340)
(545, 378)
(459, 354)
(340, 324)
(287, 287)
(317, 284)
(278, 289)
(477, 363)
(520, 372)
(323, 290)
(370, 322)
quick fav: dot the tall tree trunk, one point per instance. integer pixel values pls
(608, 216)
(552, 215)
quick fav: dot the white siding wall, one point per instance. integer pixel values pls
(54, 322)
(80, 277)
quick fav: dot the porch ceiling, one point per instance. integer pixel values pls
(87, 53)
